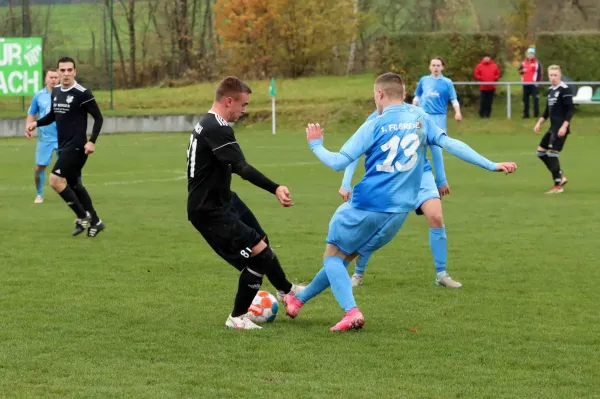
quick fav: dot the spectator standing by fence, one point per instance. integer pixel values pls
(486, 71)
(531, 72)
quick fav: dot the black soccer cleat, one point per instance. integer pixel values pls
(94, 230)
(81, 225)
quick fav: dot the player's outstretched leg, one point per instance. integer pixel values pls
(276, 275)
(438, 242)
(341, 286)
(96, 225)
(318, 284)
(59, 185)
(359, 270)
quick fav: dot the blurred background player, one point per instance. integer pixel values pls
(560, 109)
(47, 141)
(71, 104)
(395, 146)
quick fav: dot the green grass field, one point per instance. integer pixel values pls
(140, 310)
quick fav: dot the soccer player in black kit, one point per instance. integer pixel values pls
(224, 221)
(71, 103)
(559, 109)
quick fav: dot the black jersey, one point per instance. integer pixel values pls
(559, 107)
(212, 151)
(71, 107)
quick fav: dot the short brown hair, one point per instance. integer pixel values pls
(391, 84)
(439, 59)
(51, 70)
(231, 86)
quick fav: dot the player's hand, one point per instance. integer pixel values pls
(537, 127)
(444, 190)
(345, 194)
(314, 132)
(562, 131)
(284, 196)
(458, 116)
(506, 167)
(30, 128)
(89, 148)
(28, 134)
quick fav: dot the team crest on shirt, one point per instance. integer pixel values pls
(556, 94)
(54, 98)
(69, 99)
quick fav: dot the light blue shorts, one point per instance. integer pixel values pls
(43, 152)
(354, 230)
(427, 191)
(440, 120)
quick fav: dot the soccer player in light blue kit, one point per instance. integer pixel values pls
(428, 203)
(433, 94)
(394, 145)
(47, 135)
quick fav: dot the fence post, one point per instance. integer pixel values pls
(508, 102)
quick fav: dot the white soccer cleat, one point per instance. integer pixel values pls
(357, 279)
(38, 200)
(296, 289)
(444, 280)
(241, 323)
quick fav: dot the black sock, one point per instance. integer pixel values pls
(68, 195)
(554, 167)
(248, 286)
(86, 201)
(543, 156)
(267, 260)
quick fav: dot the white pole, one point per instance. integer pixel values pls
(273, 107)
(508, 102)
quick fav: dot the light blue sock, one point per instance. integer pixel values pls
(318, 284)
(439, 247)
(361, 264)
(42, 176)
(341, 285)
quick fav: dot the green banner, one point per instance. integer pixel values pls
(20, 66)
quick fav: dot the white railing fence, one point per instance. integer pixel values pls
(509, 90)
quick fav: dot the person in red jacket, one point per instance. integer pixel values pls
(531, 72)
(486, 71)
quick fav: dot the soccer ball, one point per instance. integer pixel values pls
(264, 308)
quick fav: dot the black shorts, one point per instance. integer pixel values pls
(69, 164)
(551, 141)
(233, 234)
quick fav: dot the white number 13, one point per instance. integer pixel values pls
(409, 144)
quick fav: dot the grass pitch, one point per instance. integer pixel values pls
(140, 310)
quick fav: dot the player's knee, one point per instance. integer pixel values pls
(263, 261)
(435, 220)
(57, 183)
(75, 183)
(40, 168)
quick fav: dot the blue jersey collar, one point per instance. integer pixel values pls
(433, 77)
(394, 107)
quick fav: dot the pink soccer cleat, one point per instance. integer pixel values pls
(353, 320)
(292, 304)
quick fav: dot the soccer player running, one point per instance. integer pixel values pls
(47, 143)
(71, 103)
(394, 145)
(225, 222)
(560, 109)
